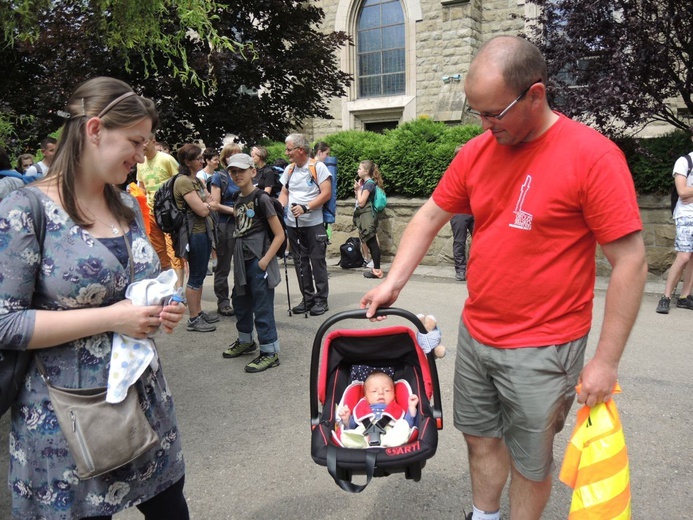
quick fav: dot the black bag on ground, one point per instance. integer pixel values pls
(350, 254)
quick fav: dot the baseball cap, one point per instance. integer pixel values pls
(240, 160)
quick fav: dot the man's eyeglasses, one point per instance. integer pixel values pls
(502, 114)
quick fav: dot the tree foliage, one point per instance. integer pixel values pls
(618, 64)
(252, 68)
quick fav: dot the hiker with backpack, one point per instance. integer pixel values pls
(196, 238)
(223, 191)
(307, 185)
(683, 245)
(24, 161)
(158, 167)
(10, 179)
(255, 268)
(267, 177)
(365, 216)
(49, 146)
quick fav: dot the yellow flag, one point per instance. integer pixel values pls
(596, 465)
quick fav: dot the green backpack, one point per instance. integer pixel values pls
(379, 199)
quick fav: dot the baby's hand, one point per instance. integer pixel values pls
(413, 403)
(344, 413)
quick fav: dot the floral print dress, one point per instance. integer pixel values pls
(75, 271)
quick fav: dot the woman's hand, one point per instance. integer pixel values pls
(171, 315)
(137, 321)
(262, 263)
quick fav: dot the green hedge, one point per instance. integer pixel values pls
(413, 157)
(651, 161)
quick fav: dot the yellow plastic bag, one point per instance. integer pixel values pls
(596, 465)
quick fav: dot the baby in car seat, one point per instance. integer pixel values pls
(378, 400)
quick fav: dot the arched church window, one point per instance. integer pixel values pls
(380, 48)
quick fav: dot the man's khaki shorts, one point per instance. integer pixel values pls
(522, 395)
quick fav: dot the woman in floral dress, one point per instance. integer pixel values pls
(65, 302)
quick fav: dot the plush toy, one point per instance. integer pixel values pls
(431, 340)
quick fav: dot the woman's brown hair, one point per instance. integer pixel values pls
(117, 106)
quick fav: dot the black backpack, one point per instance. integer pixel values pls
(278, 208)
(350, 254)
(223, 179)
(674, 193)
(168, 217)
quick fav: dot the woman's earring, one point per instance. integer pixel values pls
(95, 139)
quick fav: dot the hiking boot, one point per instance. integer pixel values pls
(238, 349)
(302, 308)
(319, 308)
(226, 310)
(461, 276)
(261, 363)
(685, 303)
(663, 305)
(199, 324)
(209, 318)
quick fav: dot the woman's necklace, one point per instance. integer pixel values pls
(114, 228)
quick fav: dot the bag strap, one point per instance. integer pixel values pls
(690, 163)
(42, 370)
(38, 216)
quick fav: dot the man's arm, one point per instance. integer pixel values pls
(623, 296)
(284, 196)
(416, 239)
(685, 192)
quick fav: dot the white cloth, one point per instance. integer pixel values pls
(129, 356)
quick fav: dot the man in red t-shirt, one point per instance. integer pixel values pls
(544, 190)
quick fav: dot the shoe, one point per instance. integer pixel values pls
(369, 265)
(238, 349)
(199, 324)
(209, 317)
(209, 272)
(461, 276)
(262, 362)
(663, 305)
(372, 274)
(685, 303)
(319, 308)
(301, 308)
(226, 310)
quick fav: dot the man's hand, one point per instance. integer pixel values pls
(598, 380)
(384, 295)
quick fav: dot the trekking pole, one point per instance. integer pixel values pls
(300, 266)
(286, 277)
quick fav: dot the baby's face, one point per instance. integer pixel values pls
(379, 389)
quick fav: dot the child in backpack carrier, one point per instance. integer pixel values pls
(361, 424)
(255, 268)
